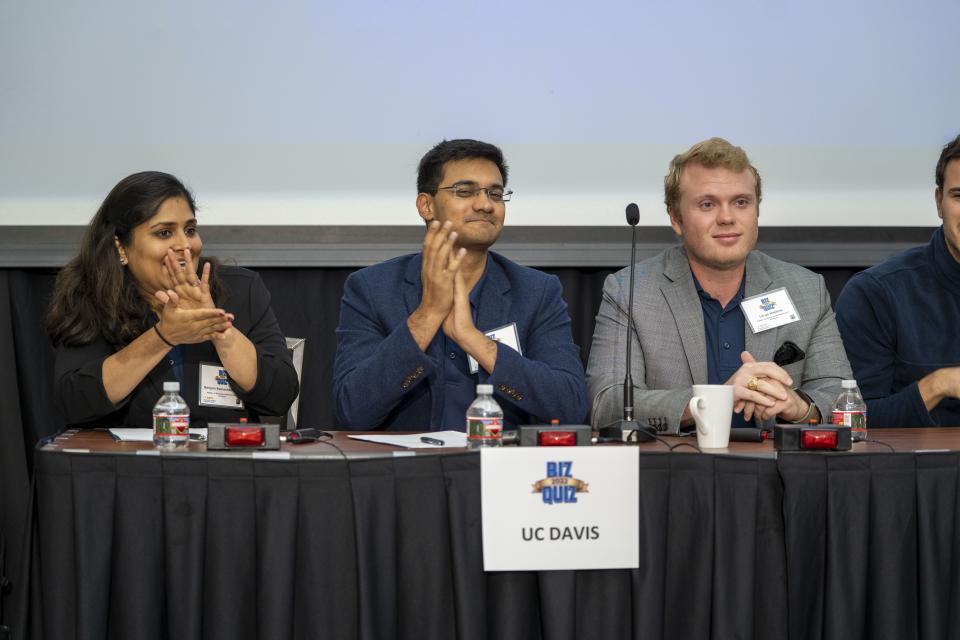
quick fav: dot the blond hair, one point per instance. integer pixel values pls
(712, 154)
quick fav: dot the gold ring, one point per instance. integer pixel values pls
(753, 383)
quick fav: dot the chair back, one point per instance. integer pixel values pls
(295, 345)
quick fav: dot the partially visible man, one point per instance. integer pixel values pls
(419, 332)
(688, 326)
(899, 321)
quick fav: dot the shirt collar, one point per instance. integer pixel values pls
(737, 299)
(945, 262)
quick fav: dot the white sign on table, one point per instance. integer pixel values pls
(551, 508)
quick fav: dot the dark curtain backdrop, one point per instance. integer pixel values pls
(306, 302)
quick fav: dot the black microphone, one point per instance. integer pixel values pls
(614, 432)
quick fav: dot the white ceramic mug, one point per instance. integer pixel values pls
(712, 410)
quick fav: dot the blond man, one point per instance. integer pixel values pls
(696, 317)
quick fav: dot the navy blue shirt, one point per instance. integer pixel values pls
(898, 321)
(460, 386)
(723, 328)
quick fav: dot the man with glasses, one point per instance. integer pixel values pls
(418, 333)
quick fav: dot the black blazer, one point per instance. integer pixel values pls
(78, 383)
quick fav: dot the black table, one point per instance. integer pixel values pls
(733, 545)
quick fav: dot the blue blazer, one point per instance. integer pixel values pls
(382, 380)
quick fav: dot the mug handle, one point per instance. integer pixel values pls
(695, 405)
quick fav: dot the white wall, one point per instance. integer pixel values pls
(307, 112)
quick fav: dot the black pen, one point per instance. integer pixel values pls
(433, 441)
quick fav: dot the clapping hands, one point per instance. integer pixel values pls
(188, 314)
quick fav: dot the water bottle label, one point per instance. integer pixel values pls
(856, 420)
(171, 426)
(484, 428)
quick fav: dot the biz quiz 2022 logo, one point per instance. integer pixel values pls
(766, 305)
(560, 487)
(221, 378)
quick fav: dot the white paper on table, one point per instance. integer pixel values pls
(412, 441)
(133, 434)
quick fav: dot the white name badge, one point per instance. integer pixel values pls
(769, 310)
(215, 390)
(553, 508)
(506, 334)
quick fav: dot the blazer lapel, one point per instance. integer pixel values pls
(684, 303)
(493, 307)
(760, 345)
(413, 291)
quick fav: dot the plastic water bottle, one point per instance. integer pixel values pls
(171, 418)
(484, 420)
(850, 410)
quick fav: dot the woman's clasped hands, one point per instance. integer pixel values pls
(188, 315)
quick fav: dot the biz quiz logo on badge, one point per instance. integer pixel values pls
(559, 487)
(766, 305)
(222, 378)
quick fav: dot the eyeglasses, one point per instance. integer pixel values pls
(496, 194)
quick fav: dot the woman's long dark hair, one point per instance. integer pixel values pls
(94, 295)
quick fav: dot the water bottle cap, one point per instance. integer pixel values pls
(484, 388)
(171, 386)
(849, 384)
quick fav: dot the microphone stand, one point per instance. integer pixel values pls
(614, 431)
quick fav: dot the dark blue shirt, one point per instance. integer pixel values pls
(460, 386)
(899, 322)
(723, 328)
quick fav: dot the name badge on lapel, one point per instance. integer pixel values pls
(506, 334)
(215, 389)
(769, 310)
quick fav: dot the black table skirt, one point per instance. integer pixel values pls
(166, 547)
(873, 545)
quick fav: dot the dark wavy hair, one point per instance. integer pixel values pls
(94, 295)
(430, 170)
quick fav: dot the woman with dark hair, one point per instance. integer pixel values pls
(138, 306)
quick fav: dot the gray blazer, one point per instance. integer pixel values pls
(669, 346)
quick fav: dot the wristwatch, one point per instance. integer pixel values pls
(811, 408)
